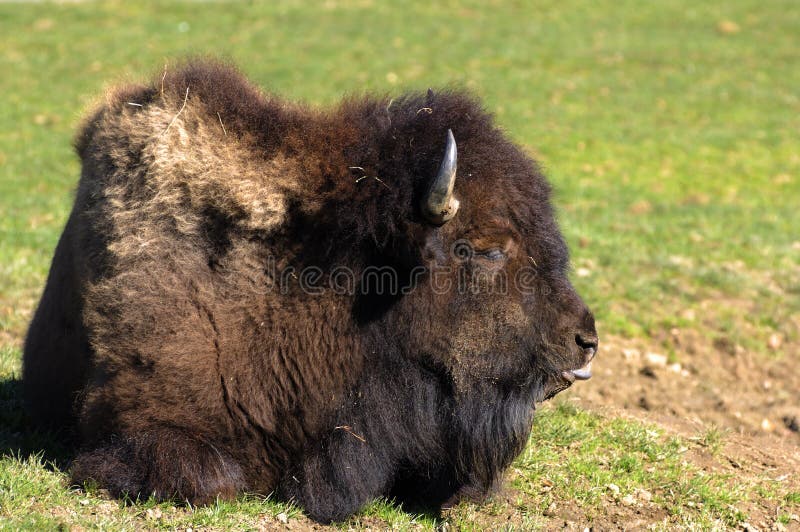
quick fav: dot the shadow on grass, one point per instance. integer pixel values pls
(20, 439)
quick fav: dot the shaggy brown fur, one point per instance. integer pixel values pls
(175, 333)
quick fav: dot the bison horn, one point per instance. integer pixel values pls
(439, 205)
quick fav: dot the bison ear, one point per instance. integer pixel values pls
(429, 99)
(438, 204)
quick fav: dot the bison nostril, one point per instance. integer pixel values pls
(588, 343)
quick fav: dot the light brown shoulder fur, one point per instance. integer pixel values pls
(168, 158)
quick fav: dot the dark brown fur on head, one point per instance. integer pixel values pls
(191, 332)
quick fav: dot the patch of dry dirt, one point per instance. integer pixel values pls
(713, 382)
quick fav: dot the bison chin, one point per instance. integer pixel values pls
(552, 387)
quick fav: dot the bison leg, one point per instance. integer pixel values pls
(168, 464)
(339, 477)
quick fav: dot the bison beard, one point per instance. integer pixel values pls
(178, 338)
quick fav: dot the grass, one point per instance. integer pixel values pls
(712, 439)
(33, 496)
(602, 460)
(668, 130)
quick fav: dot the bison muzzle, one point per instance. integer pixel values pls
(329, 304)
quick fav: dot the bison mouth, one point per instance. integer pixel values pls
(581, 374)
(559, 383)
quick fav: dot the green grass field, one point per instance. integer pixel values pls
(670, 130)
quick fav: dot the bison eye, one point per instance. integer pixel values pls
(493, 254)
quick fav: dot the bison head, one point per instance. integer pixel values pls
(493, 303)
(499, 279)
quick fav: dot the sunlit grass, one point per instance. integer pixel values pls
(577, 457)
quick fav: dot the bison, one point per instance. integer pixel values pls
(253, 295)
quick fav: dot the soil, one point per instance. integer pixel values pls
(713, 382)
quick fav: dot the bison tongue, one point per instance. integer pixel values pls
(582, 374)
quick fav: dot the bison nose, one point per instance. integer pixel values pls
(588, 343)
